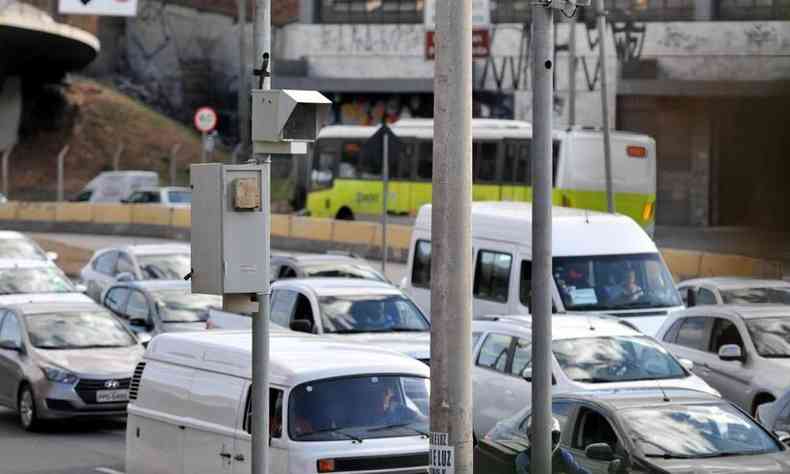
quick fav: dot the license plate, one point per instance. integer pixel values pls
(110, 396)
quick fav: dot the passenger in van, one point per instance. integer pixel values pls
(631, 289)
(394, 411)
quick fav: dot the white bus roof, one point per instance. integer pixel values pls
(575, 232)
(294, 358)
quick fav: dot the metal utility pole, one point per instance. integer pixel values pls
(261, 460)
(542, 119)
(572, 63)
(4, 165)
(385, 140)
(244, 89)
(451, 272)
(607, 138)
(61, 172)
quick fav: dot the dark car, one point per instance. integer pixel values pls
(152, 307)
(332, 265)
(645, 431)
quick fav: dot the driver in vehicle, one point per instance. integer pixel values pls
(394, 411)
(631, 289)
(562, 461)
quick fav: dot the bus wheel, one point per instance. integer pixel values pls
(345, 214)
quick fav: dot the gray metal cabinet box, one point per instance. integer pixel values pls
(228, 229)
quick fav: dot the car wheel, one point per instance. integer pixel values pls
(28, 417)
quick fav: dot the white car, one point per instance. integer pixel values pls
(33, 276)
(172, 196)
(590, 353)
(113, 186)
(16, 246)
(364, 311)
(135, 262)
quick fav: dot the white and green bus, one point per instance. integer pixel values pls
(343, 185)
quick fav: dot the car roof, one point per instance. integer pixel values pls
(322, 259)
(295, 358)
(638, 397)
(339, 286)
(577, 232)
(565, 326)
(164, 188)
(155, 285)
(48, 302)
(755, 311)
(12, 235)
(9, 263)
(734, 283)
(151, 249)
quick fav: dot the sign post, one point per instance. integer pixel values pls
(205, 121)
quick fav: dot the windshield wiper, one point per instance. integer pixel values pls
(399, 425)
(405, 329)
(595, 380)
(334, 430)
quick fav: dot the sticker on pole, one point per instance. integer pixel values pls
(205, 119)
(442, 455)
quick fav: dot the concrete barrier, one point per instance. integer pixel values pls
(306, 234)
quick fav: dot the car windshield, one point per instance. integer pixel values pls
(370, 313)
(341, 270)
(696, 431)
(174, 266)
(77, 330)
(615, 359)
(756, 296)
(358, 408)
(185, 307)
(179, 197)
(615, 282)
(21, 249)
(771, 336)
(34, 280)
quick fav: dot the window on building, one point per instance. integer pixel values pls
(492, 275)
(511, 11)
(651, 10)
(753, 10)
(370, 11)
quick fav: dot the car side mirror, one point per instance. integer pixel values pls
(52, 256)
(687, 364)
(144, 338)
(302, 325)
(730, 352)
(81, 288)
(783, 436)
(10, 345)
(599, 452)
(527, 374)
(125, 276)
(691, 298)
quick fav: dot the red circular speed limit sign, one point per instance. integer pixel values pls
(205, 119)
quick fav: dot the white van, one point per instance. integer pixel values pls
(115, 186)
(334, 407)
(603, 263)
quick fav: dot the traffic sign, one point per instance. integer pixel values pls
(205, 119)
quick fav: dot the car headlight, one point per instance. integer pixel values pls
(59, 375)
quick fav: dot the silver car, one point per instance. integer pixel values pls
(742, 351)
(776, 416)
(63, 356)
(734, 290)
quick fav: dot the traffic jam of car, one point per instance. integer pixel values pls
(649, 375)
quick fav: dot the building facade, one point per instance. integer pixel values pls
(707, 78)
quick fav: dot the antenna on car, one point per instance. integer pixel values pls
(666, 397)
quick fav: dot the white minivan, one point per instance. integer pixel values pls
(602, 263)
(334, 407)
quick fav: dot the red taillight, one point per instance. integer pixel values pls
(326, 465)
(636, 152)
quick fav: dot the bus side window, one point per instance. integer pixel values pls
(401, 168)
(425, 161)
(523, 171)
(485, 159)
(323, 173)
(421, 268)
(349, 161)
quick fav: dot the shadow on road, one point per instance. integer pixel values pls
(9, 424)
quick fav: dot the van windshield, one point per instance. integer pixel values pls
(358, 408)
(614, 282)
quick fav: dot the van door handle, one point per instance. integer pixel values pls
(239, 458)
(224, 455)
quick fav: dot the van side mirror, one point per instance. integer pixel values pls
(783, 436)
(302, 325)
(599, 452)
(691, 298)
(730, 352)
(687, 364)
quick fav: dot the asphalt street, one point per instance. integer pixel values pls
(85, 447)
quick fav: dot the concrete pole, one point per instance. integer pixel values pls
(116, 159)
(61, 172)
(542, 122)
(204, 151)
(244, 101)
(385, 202)
(572, 62)
(173, 153)
(607, 138)
(261, 459)
(451, 272)
(6, 159)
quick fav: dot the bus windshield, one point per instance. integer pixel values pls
(614, 282)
